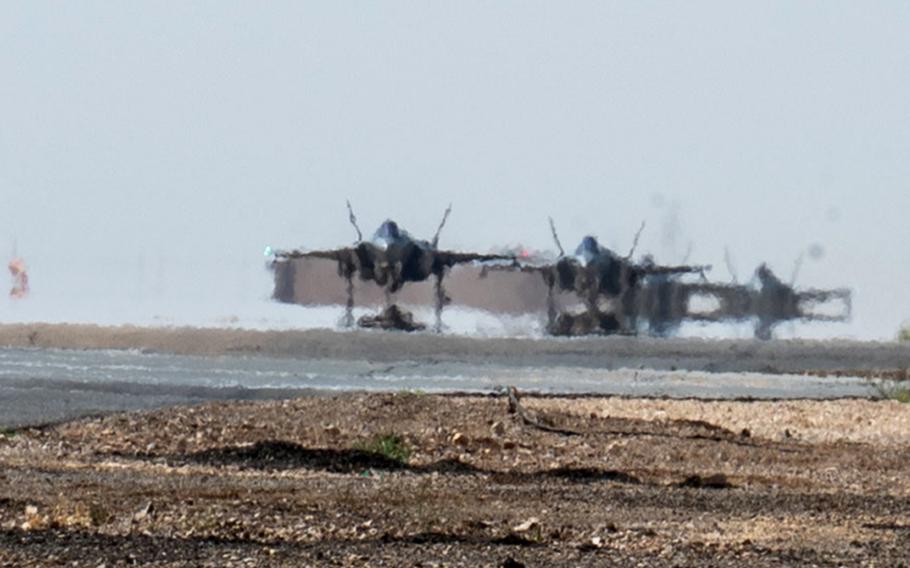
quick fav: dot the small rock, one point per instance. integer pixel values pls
(498, 429)
(532, 523)
(714, 481)
(143, 511)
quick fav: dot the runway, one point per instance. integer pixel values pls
(50, 373)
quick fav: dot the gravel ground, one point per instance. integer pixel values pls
(419, 480)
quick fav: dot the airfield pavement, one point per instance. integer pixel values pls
(733, 355)
(412, 479)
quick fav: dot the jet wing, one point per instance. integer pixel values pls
(450, 259)
(669, 270)
(336, 254)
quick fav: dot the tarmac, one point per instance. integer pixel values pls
(50, 373)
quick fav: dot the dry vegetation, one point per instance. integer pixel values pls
(417, 480)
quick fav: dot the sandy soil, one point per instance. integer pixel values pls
(305, 482)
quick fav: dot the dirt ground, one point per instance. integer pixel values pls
(418, 480)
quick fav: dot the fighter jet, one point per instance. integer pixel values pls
(598, 276)
(775, 302)
(608, 286)
(391, 259)
(767, 301)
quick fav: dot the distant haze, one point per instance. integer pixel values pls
(148, 150)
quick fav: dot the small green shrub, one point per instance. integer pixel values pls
(903, 334)
(898, 393)
(408, 394)
(390, 445)
(893, 390)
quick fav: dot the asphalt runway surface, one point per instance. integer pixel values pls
(50, 373)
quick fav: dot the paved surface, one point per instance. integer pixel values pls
(789, 356)
(41, 385)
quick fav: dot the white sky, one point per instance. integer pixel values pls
(147, 138)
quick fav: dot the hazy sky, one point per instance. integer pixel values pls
(211, 129)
